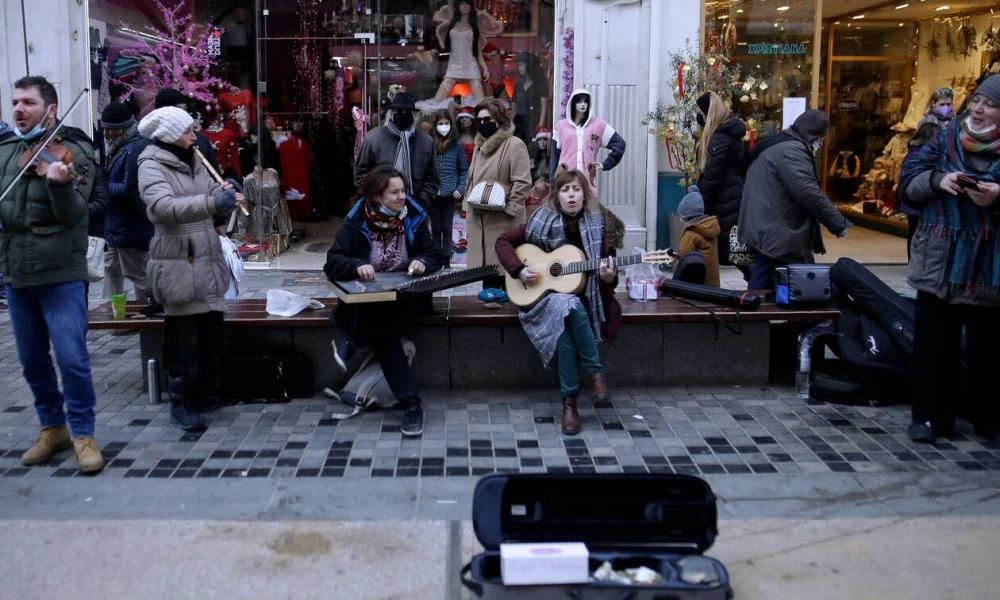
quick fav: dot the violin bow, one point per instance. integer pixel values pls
(42, 146)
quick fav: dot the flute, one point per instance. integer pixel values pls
(215, 175)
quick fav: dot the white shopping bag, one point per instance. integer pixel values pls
(288, 304)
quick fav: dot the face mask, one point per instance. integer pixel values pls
(444, 130)
(402, 120)
(388, 211)
(816, 145)
(942, 112)
(487, 128)
(36, 132)
(984, 130)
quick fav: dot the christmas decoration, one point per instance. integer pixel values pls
(695, 73)
(308, 93)
(567, 70)
(172, 62)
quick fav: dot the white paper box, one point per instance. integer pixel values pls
(543, 564)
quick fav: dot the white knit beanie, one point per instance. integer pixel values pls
(165, 124)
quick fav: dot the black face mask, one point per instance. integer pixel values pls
(403, 120)
(487, 128)
(701, 120)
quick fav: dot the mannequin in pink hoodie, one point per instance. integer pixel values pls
(580, 137)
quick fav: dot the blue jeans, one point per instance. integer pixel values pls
(58, 312)
(577, 347)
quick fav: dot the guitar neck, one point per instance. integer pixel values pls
(594, 264)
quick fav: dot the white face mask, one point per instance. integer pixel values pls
(444, 130)
(816, 145)
(987, 129)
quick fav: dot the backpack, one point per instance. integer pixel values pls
(367, 388)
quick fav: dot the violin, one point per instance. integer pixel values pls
(38, 158)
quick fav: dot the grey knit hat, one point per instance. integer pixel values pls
(165, 124)
(692, 205)
(990, 89)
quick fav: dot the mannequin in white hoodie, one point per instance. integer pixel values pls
(579, 138)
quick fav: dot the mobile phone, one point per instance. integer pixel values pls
(967, 181)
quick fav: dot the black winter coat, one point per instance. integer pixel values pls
(721, 182)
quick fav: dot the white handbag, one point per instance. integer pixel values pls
(95, 259)
(488, 195)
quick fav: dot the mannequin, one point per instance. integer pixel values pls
(462, 32)
(530, 98)
(579, 138)
(227, 144)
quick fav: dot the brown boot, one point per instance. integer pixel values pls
(88, 455)
(50, 441)
(571, 418)
(599, 387)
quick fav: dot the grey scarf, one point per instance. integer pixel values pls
(402, 161)
(115, 145)
(545, 321)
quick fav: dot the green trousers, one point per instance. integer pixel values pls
(577, 347)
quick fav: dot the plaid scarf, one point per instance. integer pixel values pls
(402, 160)
(971, 230)
(545, 321)
(383, 226)
(980, 143)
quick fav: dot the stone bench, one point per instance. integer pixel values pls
(468, 346)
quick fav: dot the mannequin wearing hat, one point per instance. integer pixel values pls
(462, 31)
(541, 155)
(465, 121)
(400, 144)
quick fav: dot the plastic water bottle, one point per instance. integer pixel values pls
(153, 380)
(802, 375)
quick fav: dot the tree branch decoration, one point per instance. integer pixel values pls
(695, 73)
(173, 62)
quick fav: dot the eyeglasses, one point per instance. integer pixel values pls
(486, 120)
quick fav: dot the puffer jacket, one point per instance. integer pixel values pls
(783, 204)
(44, 236)
(721, 182)
(703, 236)
(187, 270)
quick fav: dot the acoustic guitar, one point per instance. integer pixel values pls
(564, 270)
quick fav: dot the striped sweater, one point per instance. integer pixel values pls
(453, 168)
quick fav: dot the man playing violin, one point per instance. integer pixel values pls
(43, 255)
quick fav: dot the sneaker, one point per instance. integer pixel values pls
(50, 441)
(184, 417)
(921, 432)
(88, 455)
(413, 421)
(342, 351)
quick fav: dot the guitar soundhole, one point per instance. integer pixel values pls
(555, 270)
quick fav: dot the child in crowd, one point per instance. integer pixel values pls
(701, 233)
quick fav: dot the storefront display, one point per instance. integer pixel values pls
(305, 79)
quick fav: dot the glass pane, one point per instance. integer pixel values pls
(771, 43)
(873, 38)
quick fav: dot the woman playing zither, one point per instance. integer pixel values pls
(571, 324)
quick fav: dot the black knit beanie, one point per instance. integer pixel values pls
(116, 116)
(169, 97)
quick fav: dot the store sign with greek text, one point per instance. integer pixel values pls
(782, 49)
(847, 105)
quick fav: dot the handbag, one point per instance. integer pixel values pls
(488, 195)
(740, 254)
(95, 259)
(802, 285)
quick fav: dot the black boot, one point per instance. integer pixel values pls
(181, 411)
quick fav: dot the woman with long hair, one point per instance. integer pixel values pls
(386, 230)
(453, 169)
(720, 160)
(569, 325)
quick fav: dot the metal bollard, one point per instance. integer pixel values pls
(153, 380)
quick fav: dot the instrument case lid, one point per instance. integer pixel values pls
(627, 512)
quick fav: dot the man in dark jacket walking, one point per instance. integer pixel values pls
(783, 205)
(5, 132)
(126, 227)
(399, 144)
(43, 254)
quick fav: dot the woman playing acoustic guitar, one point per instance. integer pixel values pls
(573, 324)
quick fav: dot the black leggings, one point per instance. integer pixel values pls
(442, 212)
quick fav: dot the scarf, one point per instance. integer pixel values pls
(383, 226)
(545, 321)
(980, 143)
(402, 161)
(974, 253)
(186, 156)
(115, 145)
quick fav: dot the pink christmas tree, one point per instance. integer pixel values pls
(173, 62)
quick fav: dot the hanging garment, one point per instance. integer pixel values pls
(296, 163)
(227, 144)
